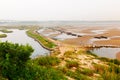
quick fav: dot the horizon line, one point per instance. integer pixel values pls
(62, 20)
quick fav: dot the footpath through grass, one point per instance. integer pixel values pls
(46, 43)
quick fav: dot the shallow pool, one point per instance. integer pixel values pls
(106, 52)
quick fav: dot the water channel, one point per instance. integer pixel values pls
(19, 36)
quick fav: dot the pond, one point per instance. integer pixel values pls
(64, 36)
(58, 35)
(106, 52)
(19, 36)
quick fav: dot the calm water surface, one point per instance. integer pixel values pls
(106, 52)
(19, 36)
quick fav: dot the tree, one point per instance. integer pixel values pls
(13, 59)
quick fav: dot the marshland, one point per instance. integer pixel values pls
(53, 53)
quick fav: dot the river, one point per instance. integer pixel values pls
(19, 36)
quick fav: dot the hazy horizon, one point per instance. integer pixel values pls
(60, 10)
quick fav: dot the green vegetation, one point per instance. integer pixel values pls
(77, 75)
(41, 39)
(6, 31)
(111, 72)
(15, 64)
(13, 59)
(47, 61)
(43, 73)
(104, 59)
(115, 61)
(69, 54)
(86, 71)
(3, 35)
(90, 53)
(71, 64)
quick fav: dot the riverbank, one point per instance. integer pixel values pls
(44, 42)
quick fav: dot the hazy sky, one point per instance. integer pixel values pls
(59, 10)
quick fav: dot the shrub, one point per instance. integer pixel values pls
(13, 59)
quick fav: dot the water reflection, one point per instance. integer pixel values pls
(64, 36)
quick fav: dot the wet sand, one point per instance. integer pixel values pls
(109, 33)
(88, 35)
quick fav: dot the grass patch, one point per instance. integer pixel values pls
(81, 51)
(71, 64)
(110, 72)
(114, 68)
(43, 40)
(63, 69)
(104, 59)
(47, 61)
(3, 35)
(43, 73)
(77, 75)
(99, 68)
(115, 61)
(69, 54)
(110, 76)
(6, 31)
(86, 71)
